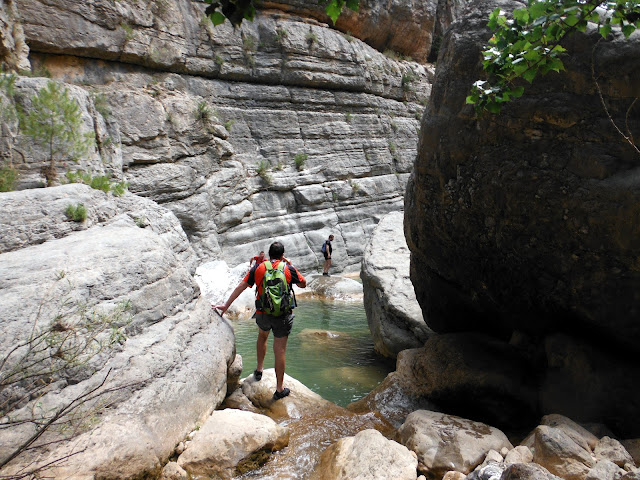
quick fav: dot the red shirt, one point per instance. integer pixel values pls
(256, 274)
(259, 260)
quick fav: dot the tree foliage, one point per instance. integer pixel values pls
(238, 10)
(54, 121)
(530, 43)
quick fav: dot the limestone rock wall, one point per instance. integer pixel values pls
(525, 225)
(208, 121)
(13, 49)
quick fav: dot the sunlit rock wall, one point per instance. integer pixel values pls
(208, 121)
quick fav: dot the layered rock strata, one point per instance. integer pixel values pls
(525, 224)
(281, 129)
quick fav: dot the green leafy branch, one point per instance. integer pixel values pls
(238, 10)
(530, 43)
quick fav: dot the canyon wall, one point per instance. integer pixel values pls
(281, 129)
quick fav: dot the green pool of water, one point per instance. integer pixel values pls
(341, 366)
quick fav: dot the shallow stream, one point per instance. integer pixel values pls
(329, 350)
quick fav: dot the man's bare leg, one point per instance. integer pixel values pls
(279, 350)
(261, 348)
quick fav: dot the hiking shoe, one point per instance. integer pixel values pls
(325, 274)
(257, 375)
(284, 393)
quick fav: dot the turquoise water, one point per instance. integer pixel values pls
(329, 350)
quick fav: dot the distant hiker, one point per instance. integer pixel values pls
(258, 259)
(327, 250)
(274, 302)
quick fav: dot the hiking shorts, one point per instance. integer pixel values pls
(281, 326)
(326, 255)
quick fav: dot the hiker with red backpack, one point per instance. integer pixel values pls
(275, 301)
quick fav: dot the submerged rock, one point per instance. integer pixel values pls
(333, 287)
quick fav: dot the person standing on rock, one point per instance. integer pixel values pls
(258, 259)
(282, 323)
(327, 250)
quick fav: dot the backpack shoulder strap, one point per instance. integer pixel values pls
(268, 265)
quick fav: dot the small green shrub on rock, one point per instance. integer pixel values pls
(263, 171)
(8, 177)
(77, 213)
(300, 159)
(99, 182)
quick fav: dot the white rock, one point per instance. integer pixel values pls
(559, 453)
(608, 448)
(366, 456)
(520, 454)
(393, 313)
(229, 437)
(605, 470)
(173, 471)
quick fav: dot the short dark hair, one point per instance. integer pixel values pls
(276, 250)
(330, 237)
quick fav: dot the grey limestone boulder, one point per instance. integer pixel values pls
(169, 372)
(446, 442)
(527, 471)
(560, 454)
(393, 313)
(367, 455)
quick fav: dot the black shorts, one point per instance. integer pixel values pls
(326, 255)
(281, 325)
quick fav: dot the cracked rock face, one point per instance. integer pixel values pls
(283, 129)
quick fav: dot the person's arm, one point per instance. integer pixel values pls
(242, 286)
(296, 277)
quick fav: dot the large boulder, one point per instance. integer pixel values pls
(393, 313)
(232, 440)
(445, 442)
(521, 221)
(154, 384)
(560, 454)
(368, 455)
